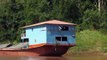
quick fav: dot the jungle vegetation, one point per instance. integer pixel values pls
(89, 15)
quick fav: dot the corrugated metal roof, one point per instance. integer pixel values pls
(52, 22)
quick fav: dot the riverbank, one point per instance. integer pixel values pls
(89, 42)
(85, 54)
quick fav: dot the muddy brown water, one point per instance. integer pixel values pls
(56, 58)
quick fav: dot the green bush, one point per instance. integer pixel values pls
(89, 41)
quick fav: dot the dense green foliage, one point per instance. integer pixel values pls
(17, 13)
(89, 41)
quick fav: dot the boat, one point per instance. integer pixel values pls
(49, 38)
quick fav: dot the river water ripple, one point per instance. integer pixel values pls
(56, 58)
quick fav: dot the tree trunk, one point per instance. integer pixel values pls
(101, 5)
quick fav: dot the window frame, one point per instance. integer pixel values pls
(64, 38)
(61, 28)
(61, 38)
(25, 40)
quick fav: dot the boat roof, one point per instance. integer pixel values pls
(51, 22)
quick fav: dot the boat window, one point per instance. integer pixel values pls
(58, 38)
(26, 40)
(63, 28)
(61, 38)
(64, 38)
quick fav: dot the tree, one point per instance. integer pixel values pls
(88, 14)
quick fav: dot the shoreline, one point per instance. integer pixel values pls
(85, 54)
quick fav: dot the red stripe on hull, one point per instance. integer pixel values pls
(44, 44)
(46, 50)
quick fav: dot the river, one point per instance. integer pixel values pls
(57, 58)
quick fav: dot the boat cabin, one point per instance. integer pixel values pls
(52, 32)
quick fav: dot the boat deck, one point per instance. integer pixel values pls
(13, 47)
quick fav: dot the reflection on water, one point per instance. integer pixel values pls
(43, 58)
(56, 58)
